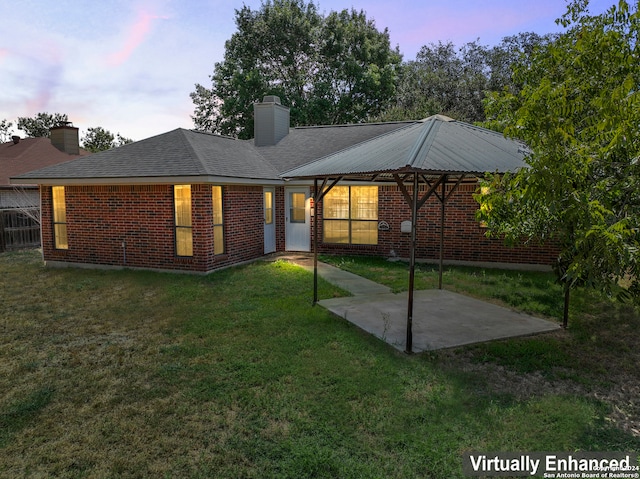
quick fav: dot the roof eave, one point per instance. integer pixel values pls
(146, 180)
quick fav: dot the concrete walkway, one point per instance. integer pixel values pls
(441, 318)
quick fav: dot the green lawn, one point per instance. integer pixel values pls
(140, 374)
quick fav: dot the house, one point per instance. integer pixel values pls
(20, 204)
(197, 202)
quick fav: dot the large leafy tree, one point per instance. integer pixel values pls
(39, 125)
(579, 112)
(328, 70)
(99, 139)
(455, 81)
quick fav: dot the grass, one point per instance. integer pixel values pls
(140, 374)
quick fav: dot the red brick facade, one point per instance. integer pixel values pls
(133, 226)
(464, 241)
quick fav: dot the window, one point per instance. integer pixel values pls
(268, 207)
(298, 212)
(351, 215)
(184, 229)
(59, 218)
(218, 221)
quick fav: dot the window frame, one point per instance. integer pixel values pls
(59, 217)
(218, 226)
(181, 228)
(345, 214)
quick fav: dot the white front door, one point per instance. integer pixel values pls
(297, 219)
(269, 220)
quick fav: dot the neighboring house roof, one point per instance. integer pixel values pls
(186, 155)
(436, 145)
(30, 154)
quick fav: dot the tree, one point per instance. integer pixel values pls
(5, 131)
(99, 139)
(578, 111)
(454, 81)
(328, 70)
(39, 125)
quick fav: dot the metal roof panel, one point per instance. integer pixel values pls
(437, 144)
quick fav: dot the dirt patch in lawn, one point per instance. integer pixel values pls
(619, 388)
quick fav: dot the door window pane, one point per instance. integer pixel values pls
(268, 207)
(298, 212)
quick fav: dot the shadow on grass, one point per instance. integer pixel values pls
(23, 412)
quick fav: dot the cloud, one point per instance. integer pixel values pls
(136, 35)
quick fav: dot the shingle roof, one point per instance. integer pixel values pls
(305, 144)
(187, 153)
(435, 145)
(30, 154)
(179, 152)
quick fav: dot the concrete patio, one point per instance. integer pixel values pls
(441, 318)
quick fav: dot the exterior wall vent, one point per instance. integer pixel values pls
(270, 121)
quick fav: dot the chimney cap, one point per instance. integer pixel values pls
(271, 99)
(16, 139)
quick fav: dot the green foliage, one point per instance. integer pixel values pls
(328, 70)
(39, 125)
(5, 131)
(99, 139)
(578, 111)
(454, 82)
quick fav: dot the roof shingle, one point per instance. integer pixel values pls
(30, 154)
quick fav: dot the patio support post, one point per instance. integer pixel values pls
(442, 200)
(315, 197)
(412, 265)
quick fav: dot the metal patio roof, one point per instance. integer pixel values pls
(434, 146)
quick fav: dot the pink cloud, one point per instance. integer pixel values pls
(135, 36)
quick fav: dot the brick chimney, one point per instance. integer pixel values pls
(270, 121)
(65, 138)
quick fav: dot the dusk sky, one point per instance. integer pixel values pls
(129, 66)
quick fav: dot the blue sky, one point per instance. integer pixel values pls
(130, 65)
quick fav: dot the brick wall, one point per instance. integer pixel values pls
(101, 218)
(464, 240)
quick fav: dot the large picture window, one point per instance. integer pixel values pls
(350, 215)
(184, 228)
(59, 218)
(218, 220)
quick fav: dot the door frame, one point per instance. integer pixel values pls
(297, 235)
(269, 229)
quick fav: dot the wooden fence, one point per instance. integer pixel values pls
(18, 229)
